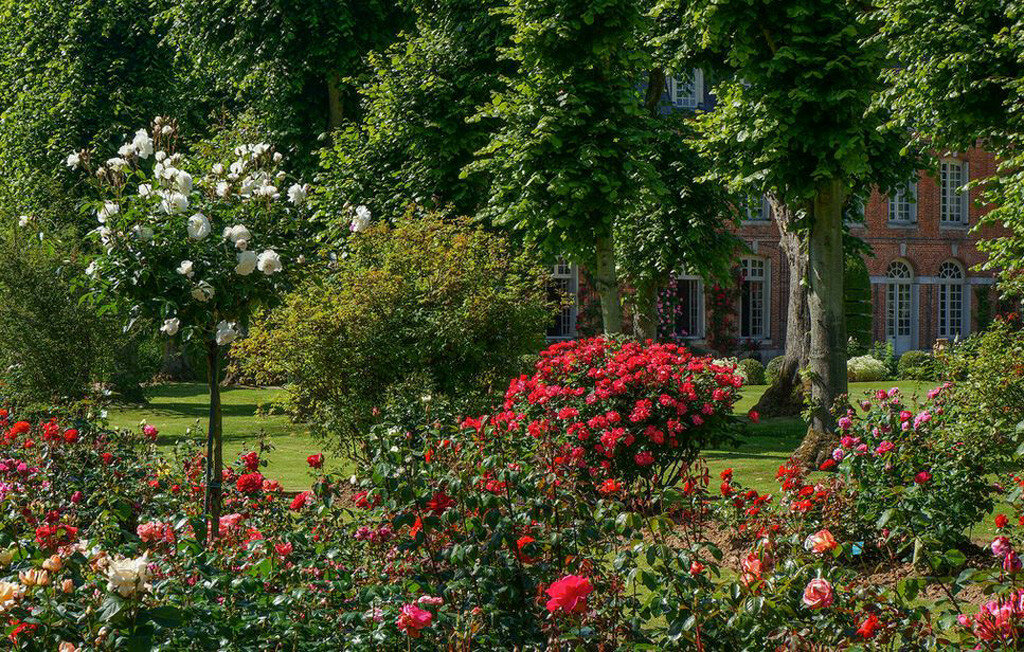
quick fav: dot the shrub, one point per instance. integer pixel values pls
(624, 410)
(865, 368)
(440, 301)
(915, 365)
(986, 398)
(884, 353)
(772, 369)
(905, 478)
(753, 371)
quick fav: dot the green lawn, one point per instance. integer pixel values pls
(180, 410)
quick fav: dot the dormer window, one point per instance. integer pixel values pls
(687, 91)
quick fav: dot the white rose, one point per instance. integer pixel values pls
(117, 164)
(171, 327)
(109, 209)
(167, 130)
(142, 143)
(223, 188)
(174, 202)
(128, 576)
(268, 191)
(362, 220)
(277, 157)
(145, 190)
(236, 233)
(73, 160)
(161, 155)
(297, 194)
(202, 292)
(184, 181)
(226, 333)
(246, 262)
(269, 262)
(92, 270)
(126, 150)
(24, 221)
(186, 268)
(198, 226)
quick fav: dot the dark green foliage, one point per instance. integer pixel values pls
(857, 286)
(414, 138)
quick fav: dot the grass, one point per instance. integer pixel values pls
(179, 410)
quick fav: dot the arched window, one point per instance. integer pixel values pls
(755, 288)
(951, 299)
(898, 309)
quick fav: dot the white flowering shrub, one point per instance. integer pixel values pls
(865, 368)
(194, 242)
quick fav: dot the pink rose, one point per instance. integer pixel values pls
(569, 594)
(818, 594)
(412, 619)
(884, 447)
(1001, 546)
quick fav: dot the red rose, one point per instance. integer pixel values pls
(251, 461)
(827, 464)
(754, 416)
(922, 477)
(870, 625)
(440, 503)
(1001, 521)
(302, 500)
(108, 457)
(315, 461)
(569, 594)
(609, 486)
(522, 543)
(250, 483)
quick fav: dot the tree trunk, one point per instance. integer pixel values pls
(827, 359)
(785, 397)
(645, 311)
(335, 108)
(214, 443)
(607, 285)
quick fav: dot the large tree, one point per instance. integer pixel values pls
(290, 64)
(77, 73)
(960, 82)
(567, 155)
(797, 121)
(414, 138)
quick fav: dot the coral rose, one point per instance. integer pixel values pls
(818, 594)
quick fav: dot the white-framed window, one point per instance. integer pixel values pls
(564, 289)
(903, 205)
(953, 201)
(898, 305)
(687, 91)
(755, 287)
(951, 300)
(756, 208)
(689, 317)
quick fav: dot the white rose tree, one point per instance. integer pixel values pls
(195, 243)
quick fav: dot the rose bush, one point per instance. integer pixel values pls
(626, 411)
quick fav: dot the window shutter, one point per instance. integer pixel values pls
(767, 329)
(698, 85)
(701, 309)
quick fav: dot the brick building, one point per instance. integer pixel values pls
(923, 283)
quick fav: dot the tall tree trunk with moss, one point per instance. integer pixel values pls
(786, 396)
(645, 310)
(214, 440)
(607, 285)
(827, 359)
(335, 106)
